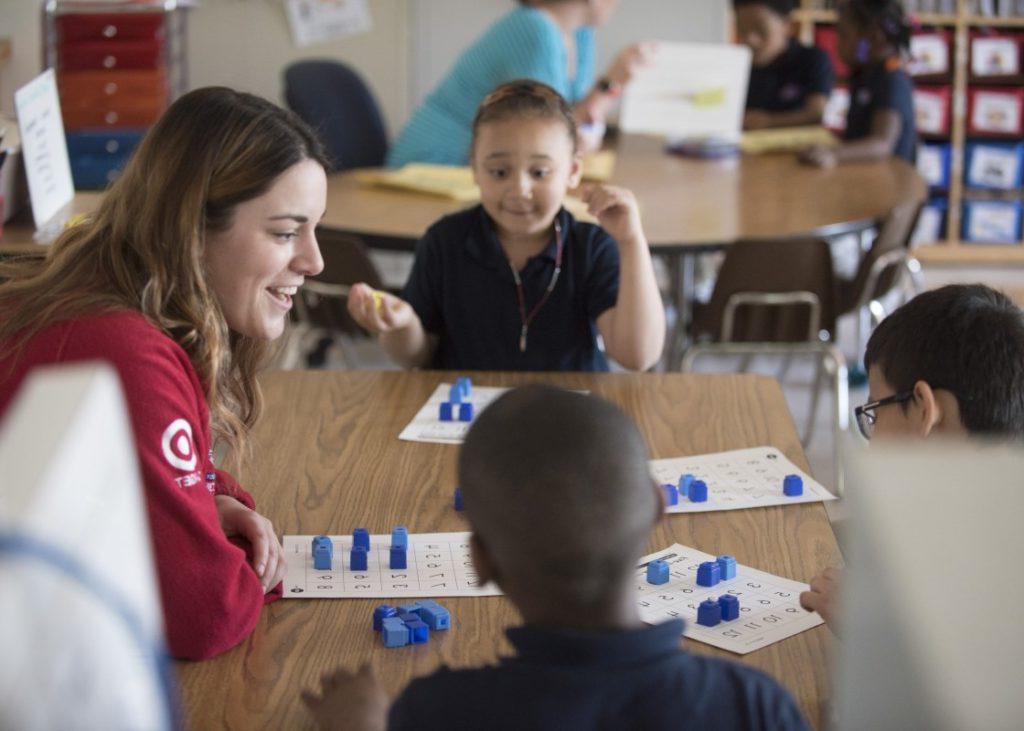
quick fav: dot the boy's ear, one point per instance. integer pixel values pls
(576, 172)
(927, 411)
(482, 563)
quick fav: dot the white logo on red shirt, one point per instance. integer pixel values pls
(177, 445)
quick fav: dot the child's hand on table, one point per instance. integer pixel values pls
(350, 702)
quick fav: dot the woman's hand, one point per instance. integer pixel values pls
(378, 312)
(617, 211)
(267, 553)
(630, 61)
(350, 700)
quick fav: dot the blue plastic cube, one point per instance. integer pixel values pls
(321, 541)
(793, 486)
(323, 554)
(727, 564)
(657, 572)
(361, 537)
(435, 616)
(466, 412)
(684, 484)
(400, 537)
(381, 613)
(709, 613)
(465, 385)
(394, 633)
(709, 573)
(730, 607)
(671, 495)
(455, 395)
(399, 559)
(458, 499)
(358, 559)
(419, 632)
(446, 412)
(698, 492)
(410, 608)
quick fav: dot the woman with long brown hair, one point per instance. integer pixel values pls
(180, 280)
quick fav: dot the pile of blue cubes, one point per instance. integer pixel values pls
(410, 624)
(458, 407)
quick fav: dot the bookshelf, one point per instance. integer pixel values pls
(960, 25)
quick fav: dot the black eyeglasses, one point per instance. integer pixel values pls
(866, 416)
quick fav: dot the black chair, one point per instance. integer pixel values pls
(337, 103)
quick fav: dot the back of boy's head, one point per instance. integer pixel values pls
(779, 7)
(965, 338)
(524, 99)
(887, 16)
(557, 488)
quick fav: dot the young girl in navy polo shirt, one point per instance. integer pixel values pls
(873, 34)
(517, 283)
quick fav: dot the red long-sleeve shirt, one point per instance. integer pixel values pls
(211, 595)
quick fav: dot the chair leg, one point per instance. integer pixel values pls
(916, 273)
(808, 434)
(877, 311)
(787, 362)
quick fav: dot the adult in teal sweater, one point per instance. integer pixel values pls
(551, 41)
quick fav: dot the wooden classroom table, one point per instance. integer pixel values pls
(327, 459)
(688, 205)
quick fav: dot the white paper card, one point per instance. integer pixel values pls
(994, 167)
(46, 154)
(690, 90)
(929, 113)
(995, 57)
(317, 21)
(930, 165)
(995, 112)
(837, 108)
(995, 222)
(929, 55)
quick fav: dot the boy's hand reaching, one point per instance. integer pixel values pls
(823, 597)
(378, 312)
(350, 702)
(617, 211)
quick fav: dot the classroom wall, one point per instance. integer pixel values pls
(246, 43)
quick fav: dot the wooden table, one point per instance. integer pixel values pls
(327, 459)
(688, 205)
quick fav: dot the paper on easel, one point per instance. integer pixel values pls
(46, 153)
(690, 90)
(317, 21)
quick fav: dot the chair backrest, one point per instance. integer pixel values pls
(895, 234)
(346, 262)
(336, 102)
(771, 267)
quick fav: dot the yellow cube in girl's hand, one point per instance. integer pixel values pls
(378, 299)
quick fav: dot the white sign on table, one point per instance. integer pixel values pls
(45, 151)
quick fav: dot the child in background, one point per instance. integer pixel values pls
(949, 364)
(517, 283)
(560, 515)
(789, 82)
(873, 34)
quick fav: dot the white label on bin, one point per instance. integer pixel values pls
(996, 112)
(993, 167)
(929, 55)
(994, 57)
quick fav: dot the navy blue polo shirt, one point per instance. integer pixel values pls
(877, 88)
(639, 679)
(462, 288)
(784, 84)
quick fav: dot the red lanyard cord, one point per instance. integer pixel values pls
(523, 317)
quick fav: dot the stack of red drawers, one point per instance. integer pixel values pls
(114, 75)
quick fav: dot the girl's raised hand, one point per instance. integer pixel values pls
(616, 210)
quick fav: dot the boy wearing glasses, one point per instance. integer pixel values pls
(949, 363)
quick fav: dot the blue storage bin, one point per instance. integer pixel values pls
(98, 156)
(95, 172)
(994, 165)
(992, 222)
(933, 163)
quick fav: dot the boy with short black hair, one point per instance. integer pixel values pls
(949, 363)
(558, 492)
(790, 83)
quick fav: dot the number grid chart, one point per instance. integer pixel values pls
(427, 426)
(770, 608)
(743, 478)
(439, 564)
